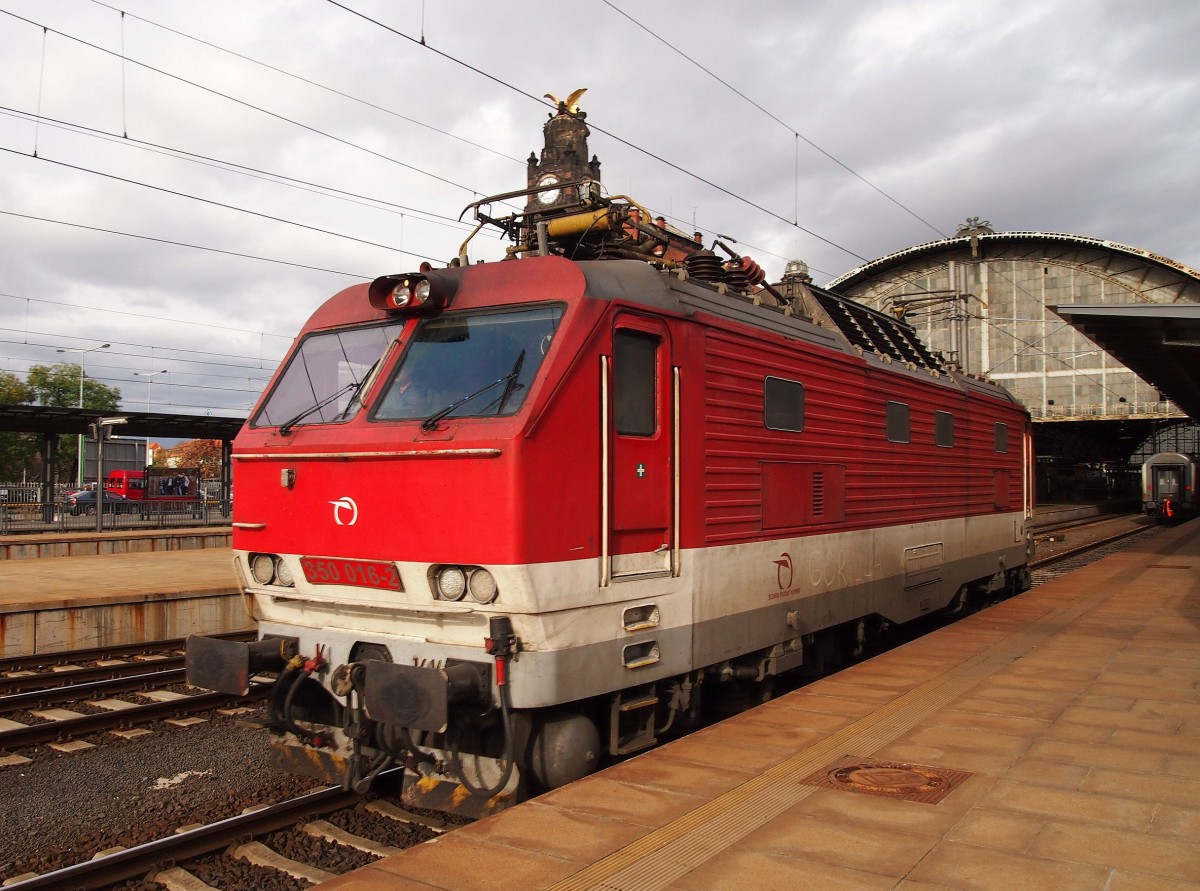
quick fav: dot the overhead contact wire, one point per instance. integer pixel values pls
(796, 133)
(255, 213)
(609, 134)
(311, 83)
(249, 105)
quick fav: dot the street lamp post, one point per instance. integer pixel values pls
(82, 362)
(149, 383)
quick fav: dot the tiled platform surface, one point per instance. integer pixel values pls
(1075, 708)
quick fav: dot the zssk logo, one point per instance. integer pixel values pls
(783, 570)
(346, 504)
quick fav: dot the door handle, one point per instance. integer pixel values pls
(662, 547)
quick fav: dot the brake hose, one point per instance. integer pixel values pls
(501, 643)
(509, 754)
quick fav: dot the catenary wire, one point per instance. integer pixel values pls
(141, 315)
(221, 204)
(796, 133)
(168, 151)
(625, 142)
(308, 81)
(198, 247)
(245, 104)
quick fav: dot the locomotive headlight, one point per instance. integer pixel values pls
(428, 291)
(283, 574)
(400, 296)
(421, 292)
(482, 586)
(262, 567)
(451, 583)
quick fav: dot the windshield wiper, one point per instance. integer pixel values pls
(509, 379)
(359, 389)
(285, 429)
(512, 382)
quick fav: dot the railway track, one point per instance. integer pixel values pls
(58, 726)
(1077, 541)
(221, 847)
(34, 689)
(45, 670)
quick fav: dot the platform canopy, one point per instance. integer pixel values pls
(45, 419)
(1159, 342)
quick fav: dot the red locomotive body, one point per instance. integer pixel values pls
(503, 521)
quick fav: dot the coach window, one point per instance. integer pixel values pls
(1001, 437)
(943, 429)
(783, 404)
(897, 422)
(634, 383)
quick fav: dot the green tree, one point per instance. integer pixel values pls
(18, 451)
(58, 385)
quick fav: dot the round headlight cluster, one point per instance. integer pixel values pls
(268, 568)
(456, 582)
(451, 583)
(410, 292)
(283, 573)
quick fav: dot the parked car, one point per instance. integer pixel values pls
(85, 503)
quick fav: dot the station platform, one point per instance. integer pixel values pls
(126, 595)
(1051, 741)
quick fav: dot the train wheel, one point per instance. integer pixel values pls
(729, 698)
(821, 654)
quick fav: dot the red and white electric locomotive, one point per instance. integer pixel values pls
(503, 522)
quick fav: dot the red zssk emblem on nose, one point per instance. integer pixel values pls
(783, 570)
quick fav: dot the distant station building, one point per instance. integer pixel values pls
(987, 300)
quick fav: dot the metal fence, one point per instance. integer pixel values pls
(18, 515)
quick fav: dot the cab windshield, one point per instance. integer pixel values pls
(469, 365)
(323, 379)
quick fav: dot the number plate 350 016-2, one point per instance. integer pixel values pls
(359, 573)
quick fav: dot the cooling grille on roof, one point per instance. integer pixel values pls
(877, 332)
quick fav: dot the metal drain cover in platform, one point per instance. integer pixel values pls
(890, 779)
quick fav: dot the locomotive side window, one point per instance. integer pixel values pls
(943, 429)
(469, 364)
(783, 404)
(897, 423)
(323, 374)
(635, 383)
(1001, 437)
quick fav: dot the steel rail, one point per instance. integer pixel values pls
(67, 692)
(38, 660)
(55, 731)
(136, 862)
(1084, 548)
(57, 680)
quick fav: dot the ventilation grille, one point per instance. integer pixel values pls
(877, 332)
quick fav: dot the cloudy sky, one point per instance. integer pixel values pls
(188, 181)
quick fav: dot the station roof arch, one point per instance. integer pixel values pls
(1043, 289)
(1149, 277)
